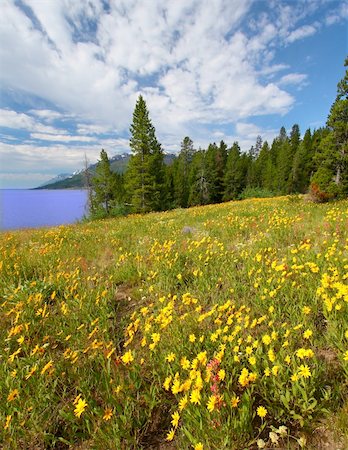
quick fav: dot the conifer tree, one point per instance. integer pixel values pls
(107, 188)
(182, 172)
(145, 173)
(235, 175)
(332, 158)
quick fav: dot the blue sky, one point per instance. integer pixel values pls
(71, 71)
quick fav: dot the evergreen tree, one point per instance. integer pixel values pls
(332, 159)
(107, 188)
(199, 194)
(235, 175)
(182, 173)
(303, 166)
(145, 173)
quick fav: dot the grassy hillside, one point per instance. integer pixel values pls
(218, 327)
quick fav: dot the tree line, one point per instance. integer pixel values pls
(316, 163)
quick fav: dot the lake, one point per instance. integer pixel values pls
(25, 208)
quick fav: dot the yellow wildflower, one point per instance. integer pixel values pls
(170, 435)
(195, 397)
(47, 366)
(304, 371)
(234, 401)
(261, 411)
(127, 358)
(8, 421)
(13, 395)
(192, 338)
(170, 357)
(175, 419)
(198, 446)
(211, 403)
(307, 334)
(107, 414)
(221, 374)
(183, 402)
(80, 407)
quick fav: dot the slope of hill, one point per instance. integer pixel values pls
(118, 163)
(216, 327)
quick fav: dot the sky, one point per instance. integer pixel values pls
(72, 70)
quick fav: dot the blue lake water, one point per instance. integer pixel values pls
(21, 208)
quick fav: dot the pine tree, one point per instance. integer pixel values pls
(145, 172)
(332, 157)
(182, 173)
(235, 174)
(107, 189)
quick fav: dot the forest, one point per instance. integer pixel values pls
(316, 163)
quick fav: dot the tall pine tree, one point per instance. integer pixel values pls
(332, 157)
(145, 176)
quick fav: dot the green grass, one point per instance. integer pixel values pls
(181, 327)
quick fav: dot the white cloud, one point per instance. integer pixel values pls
(61, 138)
(21, 121)
(198, 63)
(293, 78)
(46, 114)
(302, 32)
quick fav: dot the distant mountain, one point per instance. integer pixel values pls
(60, 177)
(118, 163)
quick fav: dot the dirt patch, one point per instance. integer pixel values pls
(326, 438)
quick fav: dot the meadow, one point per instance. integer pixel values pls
(215, 327)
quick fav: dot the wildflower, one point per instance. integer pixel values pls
(306, 310)
(170, 357)
(198, 446)
(221, 374)
(176, 388)
(31, 372)
(271, 355)
(275, 370)
(185, 363)
(307, 334)
(192, 338)
(266, 339)
(183, 402)
(211, 403)
(282, 431)
(13, 395)
(234, 401)
(261, 443)
(261, 411)
(80, 407)
(273, 437)
(8, 421)
(155, 337)
(170, 435)
(176, 418)
(47, 366)
(127, 358)
(345, 356)
(166, 383)
(304, 371)
(107, 414)
(252, 360)
(195, 397)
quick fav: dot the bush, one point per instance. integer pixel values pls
(317, 195)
